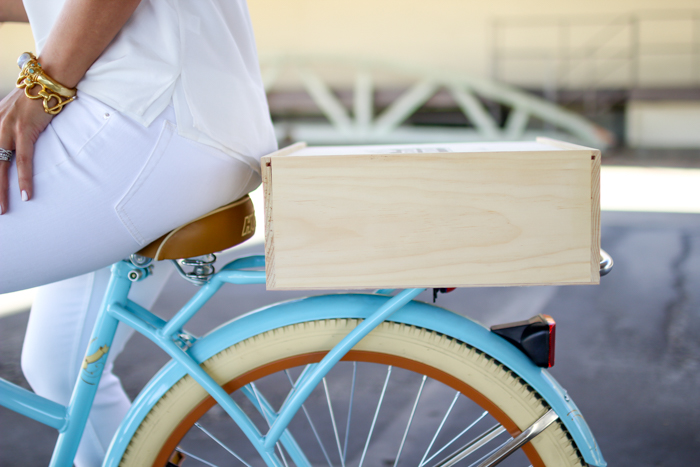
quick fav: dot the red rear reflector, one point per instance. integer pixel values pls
(552, 339)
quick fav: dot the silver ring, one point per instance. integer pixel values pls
(6, 155)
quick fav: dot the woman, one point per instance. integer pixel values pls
(169, 123)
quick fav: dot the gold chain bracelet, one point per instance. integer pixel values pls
(32, 75)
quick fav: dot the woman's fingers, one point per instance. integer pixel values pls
(4, 184)
(6, 143)
(24, 158)
(21, 122)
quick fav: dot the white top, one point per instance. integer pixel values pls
(198, 54)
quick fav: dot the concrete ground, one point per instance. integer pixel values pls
(628, 350)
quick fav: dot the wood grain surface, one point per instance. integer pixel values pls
(596, 160)
(266, 175)
(432, 220)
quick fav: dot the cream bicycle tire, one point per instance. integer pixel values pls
(478, 376)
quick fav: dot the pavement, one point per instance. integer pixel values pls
(628, 351)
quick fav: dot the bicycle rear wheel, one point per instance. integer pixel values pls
(403, 396)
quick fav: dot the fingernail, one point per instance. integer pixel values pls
(2, 210)
(25, 196)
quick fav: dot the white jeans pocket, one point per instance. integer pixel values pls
(146, 191)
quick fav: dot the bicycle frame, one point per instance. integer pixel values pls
(187, 352)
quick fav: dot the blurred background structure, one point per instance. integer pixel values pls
(631, 66)
(400, 70)
(621, 75)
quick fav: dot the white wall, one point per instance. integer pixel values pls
(663, 124)
(448, 34)
(14, 39)
(454, 35)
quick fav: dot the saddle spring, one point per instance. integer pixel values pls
(202, 268)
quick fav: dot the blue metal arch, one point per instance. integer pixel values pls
(360, 306)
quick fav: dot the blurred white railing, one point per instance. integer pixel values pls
(361, 121)
(658, 49)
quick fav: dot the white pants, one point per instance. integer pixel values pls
(104, 186)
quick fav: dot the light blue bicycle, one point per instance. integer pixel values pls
(338, 380)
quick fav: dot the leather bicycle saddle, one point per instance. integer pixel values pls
(215, 231)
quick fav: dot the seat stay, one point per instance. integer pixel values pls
(168, 344)
(226, 275)
(165, 335)
(193, 305)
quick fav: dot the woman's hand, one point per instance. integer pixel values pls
(82, 31)
(21, 122)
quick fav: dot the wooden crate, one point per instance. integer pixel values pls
(447, 215)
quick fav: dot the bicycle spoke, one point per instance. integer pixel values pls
(472, 446)
(458, 436)
(199, 459)
(410, 420)
(284, 458)
(262, 407)
(264, 413)
(376, 414)
(313, 427)
(217, 441)
(335, 427)
(352, 396)
(442, 423)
